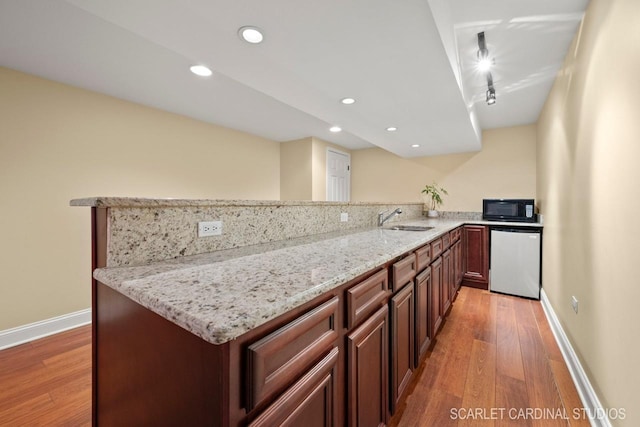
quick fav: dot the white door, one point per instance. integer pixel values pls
(338, 176)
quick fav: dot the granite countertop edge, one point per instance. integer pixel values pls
(222, 295)
(137, 202)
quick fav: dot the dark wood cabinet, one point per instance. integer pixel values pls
(367, 372)
(476, 256)
(402, 342)
(460, 265)
(346, 357)
(446, 241)
(435, 313)
(456, 268)
(311, 401)
(366, 297)
(436, 248)
(423, 257)
(423, 302)
(277, 359)
(403, 271)
(445, 288)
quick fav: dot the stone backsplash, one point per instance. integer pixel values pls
(147, 230)
(462, 216)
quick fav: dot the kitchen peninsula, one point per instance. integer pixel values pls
(274, 321)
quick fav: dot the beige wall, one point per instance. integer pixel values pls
(296, 178)
(588, 175)
(506, 167)
(303, 169)
(59, 143)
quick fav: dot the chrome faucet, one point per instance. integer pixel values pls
(382, 219)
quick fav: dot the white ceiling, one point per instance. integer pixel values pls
(409, 63)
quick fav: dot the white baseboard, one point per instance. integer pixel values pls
(587, 394)
(33, 331)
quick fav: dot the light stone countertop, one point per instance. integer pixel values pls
(221, 295)
(141, 202)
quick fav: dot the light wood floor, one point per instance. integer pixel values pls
(493, 351)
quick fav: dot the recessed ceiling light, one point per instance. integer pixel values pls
(335, 129)
(392, 129)
(251, 35)
(415, 146)
(201, 70)
(348, 101)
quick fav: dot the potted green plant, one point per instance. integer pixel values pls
(433, 194)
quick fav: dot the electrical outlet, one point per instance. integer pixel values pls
(344, 217)
(574, 304)
(209, 228)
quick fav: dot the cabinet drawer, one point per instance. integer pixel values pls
(458, 232)
(423, 257)
(403, 271)
(281, 357)
(453, 236)
(446, 241)
(366, 297)
(436, 248)
(310, 401)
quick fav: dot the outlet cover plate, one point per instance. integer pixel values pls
(209, 228)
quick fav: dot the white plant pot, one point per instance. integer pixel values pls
(432, 213)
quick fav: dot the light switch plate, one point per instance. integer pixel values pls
(344, 217)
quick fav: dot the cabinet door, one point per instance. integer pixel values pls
(311, 401)
(402, 342)
(476, 256)
(445, 288)
(423, 299)
(459, 271)
(436, 282)
(367, 372)
(455, 270)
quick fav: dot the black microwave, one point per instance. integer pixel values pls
(511, 210)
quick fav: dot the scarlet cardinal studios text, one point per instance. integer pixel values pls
(536, 414)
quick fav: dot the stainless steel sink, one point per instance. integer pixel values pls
(410, 228)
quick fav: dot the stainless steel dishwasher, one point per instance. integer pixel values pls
(515, 261)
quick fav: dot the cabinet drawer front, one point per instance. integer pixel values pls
(446, 241)
(453, 236)
(423, 256)
(403, 271)
(366, 297)
(310, 401)
(278, 359)
(436, 248)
